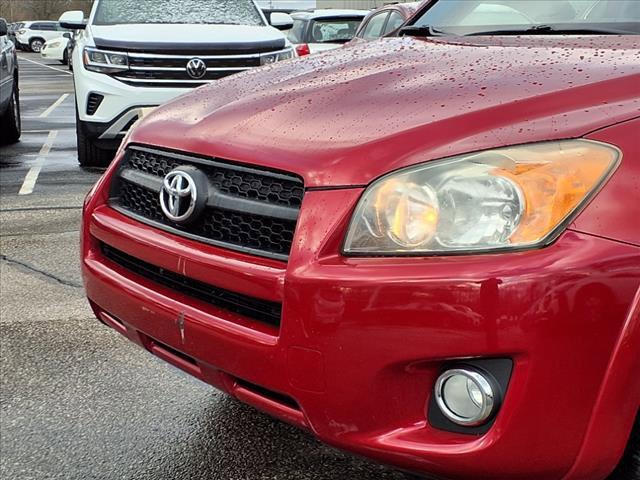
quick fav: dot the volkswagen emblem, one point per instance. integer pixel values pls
(196, 68)
(183, 194)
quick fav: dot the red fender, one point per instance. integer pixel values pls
(617, 405)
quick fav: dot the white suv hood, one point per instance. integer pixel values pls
(176, 35)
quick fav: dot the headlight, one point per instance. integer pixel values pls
(506, 198)
(52, 45)
(105, 62)
(268, 58)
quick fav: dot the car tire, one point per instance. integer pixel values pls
(35, 45)
(64, 60)
(10, 122)
(89, 154)
(629, 467)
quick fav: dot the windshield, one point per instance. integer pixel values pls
(468, 17)
(226, 12)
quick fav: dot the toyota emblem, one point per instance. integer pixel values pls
(183, 194)
(196, 68)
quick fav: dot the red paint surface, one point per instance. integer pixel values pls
(350, 115)
(373, 333)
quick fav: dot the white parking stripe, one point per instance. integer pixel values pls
(32, 175)
(45, 65)
(62, 98)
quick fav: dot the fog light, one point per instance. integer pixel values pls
(465, 396)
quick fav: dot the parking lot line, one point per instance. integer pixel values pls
(62, 98)
(32, 175)
(45, 65)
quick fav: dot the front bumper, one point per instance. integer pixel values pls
(362, 340)
(121, 103)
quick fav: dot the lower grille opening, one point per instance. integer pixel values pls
(175, 353)
(269, 394)
(253, 308)
(93, 103)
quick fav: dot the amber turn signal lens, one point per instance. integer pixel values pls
(555, 185)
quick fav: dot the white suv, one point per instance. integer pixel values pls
(33, 35)
(134, 55)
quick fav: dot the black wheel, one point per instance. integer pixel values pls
(10, 123)
(35, 44)
(64, 60)
(89, 154)
(629, 467)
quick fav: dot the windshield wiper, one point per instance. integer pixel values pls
(421, 31)
(555, 30)
(335, 40)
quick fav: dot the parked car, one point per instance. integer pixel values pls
(70, 46)
(423, 249)
(33, 35)
(56, 49)
(386, 20)
(9, 92)
(323, 30)
(132, 60)
(13, 28)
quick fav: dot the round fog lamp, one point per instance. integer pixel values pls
(465, 396)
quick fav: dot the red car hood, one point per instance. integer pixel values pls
(351, 115)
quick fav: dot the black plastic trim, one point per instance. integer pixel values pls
(94, 130)
(93, 102)
(254, 308)
(278, 397)
(496, 370)
(230, 48)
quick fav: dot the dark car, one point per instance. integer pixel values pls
(70, 46)
(386, 20)
(9, 97)
(11, 33)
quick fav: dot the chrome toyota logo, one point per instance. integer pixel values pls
(179, 196)
(196, 68)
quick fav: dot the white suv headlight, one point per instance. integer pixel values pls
(506, 198)
(102, 61)
(269, 58)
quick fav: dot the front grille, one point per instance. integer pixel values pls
(174, 61)
(160, 70)
(254, 308)
(249, 209)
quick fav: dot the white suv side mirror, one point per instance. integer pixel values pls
(281, 21)
(73, 20)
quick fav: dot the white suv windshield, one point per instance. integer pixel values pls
(468, 17)
(226, 12)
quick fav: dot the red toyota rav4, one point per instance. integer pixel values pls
(424, 249)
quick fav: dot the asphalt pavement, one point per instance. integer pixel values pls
(77, 401)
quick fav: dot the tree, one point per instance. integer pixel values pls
(16, 10)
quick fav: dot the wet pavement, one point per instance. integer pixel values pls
(77, 401)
